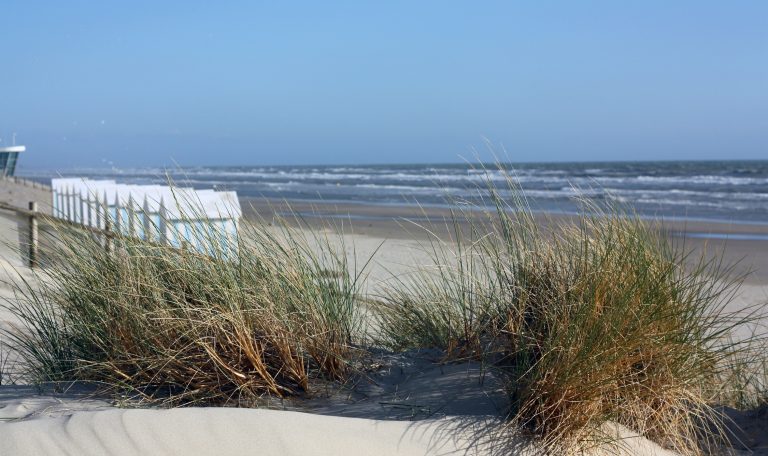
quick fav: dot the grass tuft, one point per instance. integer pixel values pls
(591, 319)
(229, 323)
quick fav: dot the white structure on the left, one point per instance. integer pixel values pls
(8, 158)
(157, 213)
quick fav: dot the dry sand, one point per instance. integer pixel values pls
(410, 406)
(405, 225)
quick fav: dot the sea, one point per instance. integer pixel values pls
(733, 191)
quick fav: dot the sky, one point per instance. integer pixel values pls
(147, 83)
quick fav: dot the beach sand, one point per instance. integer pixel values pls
(411, 405)
(742, 244)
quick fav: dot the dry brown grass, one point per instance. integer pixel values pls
(591, 321)
(224, 326)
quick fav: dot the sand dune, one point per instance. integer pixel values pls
(216, 431)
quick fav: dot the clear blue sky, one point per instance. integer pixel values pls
(150, 83)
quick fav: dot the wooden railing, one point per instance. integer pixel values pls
(35, 218)
(109, 233)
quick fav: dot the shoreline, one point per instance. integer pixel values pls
(363, 212)
(742, 244)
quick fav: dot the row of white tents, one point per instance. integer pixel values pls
(157, 213)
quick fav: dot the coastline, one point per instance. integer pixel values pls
(742, 243)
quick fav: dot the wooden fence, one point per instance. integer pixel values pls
(100, 222)
(158, 214)
(36, 218)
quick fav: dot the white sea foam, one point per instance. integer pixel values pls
(728, 189)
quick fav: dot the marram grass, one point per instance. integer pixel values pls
(592, 319)
(182, 326)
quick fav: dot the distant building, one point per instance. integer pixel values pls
(8, 157)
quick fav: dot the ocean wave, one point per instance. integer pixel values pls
(439, 175)
(694, 203)
(704, 179)
(697, 188)
(690, 193)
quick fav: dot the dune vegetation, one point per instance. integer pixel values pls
(592, 319)
(184, 326)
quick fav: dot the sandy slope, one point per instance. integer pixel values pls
(212, 431)
(218, 431)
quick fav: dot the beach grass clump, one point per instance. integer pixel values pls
(744, 381)
(451, 303)
(591, 319)
(260, 315)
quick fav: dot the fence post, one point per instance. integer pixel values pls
(60, 203)
(131, 217)
(148, 232)
(97, 208)
(90, 208)
(71, 202)
(163, 228)
(118, 214)
(81, 207)
(107, 235)
(55, 200)
(72, 205)
(33, 234)
(67, 199)
(107, 212)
